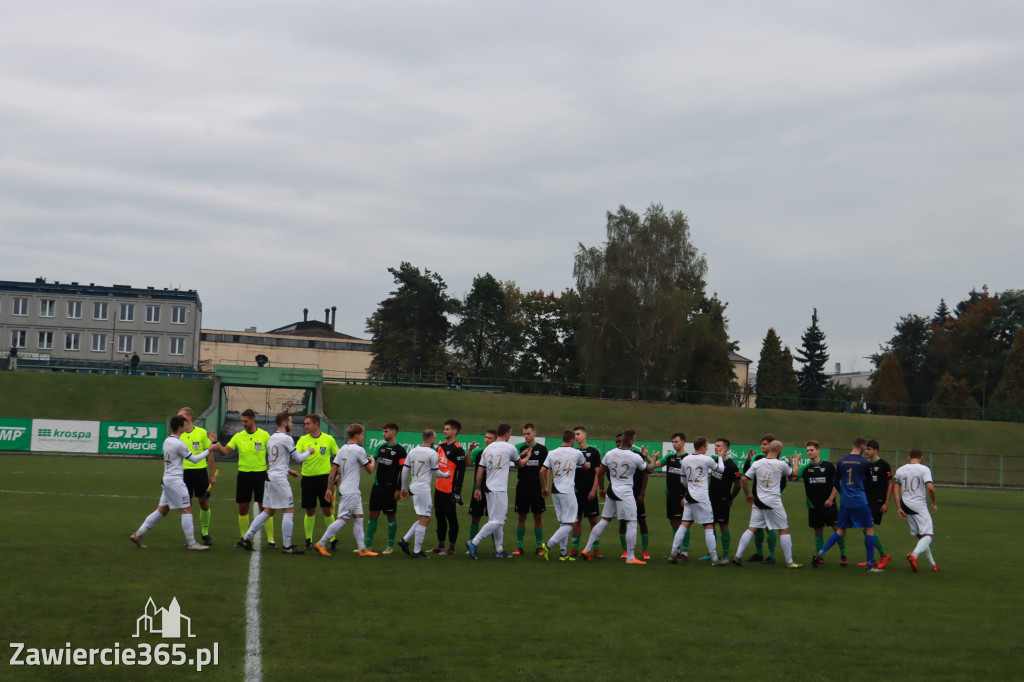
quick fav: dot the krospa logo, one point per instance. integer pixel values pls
(169, 623)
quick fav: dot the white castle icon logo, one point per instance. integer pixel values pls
(164, 622)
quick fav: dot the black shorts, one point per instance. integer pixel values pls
(478, 508)
(674, 507)
(529, 501)
(443, 503)
(641, 510)
(313, 490)
(822, 517)
(197, 481)
(587, 508)
(382, 499)
(876, 511)
(720, 510)
(249, 486)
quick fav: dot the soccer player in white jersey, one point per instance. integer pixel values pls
(911, 481)
(345, 468)
(697, 469)
(767, 510)
(277, 493)
(174, 494)
(420, 464)
(559, 469)
(619, 464)
(495, 461)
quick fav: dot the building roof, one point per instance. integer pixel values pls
(736, 357)
(92, 289)
(312, 328)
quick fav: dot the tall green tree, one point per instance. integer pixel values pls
(547, 325)
(910, 347)
(952, 400)
(638, 293)
(777, 385)
(409, 329)
(1009, 394)
(888, 392)
(710, 378)
(813, 356)
(486, 339)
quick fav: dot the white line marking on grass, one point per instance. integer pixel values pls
(53, 492)
(253, 648)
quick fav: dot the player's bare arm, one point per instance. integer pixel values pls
(931, 493)
(746, 491)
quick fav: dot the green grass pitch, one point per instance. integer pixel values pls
(70, 575)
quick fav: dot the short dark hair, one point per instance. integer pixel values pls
(727, 442)
(249, 413)
(873, 444)
(454, 423)
(699, 442)
(314, 417)
(177, 422)
(680, 435)
(503, 429)
(568, 436)
(915, 454)
(814, 443)
(859, 442)
(492, 432)
(580, 428)
(767, 437)
(529, 425)
(354, 430)
(281, 418)
(628, 436)
(389, 425)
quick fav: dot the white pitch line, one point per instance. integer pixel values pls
(253, 648)
(54, 492)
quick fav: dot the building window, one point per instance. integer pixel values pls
(74, 310)
(177, 346)
(20, 306)
(99, 342)
(152, 345)
(152, 313)
(18, 338)
(178, 314)
(99, 311)
(45, 340)
(124, 343)
(47, 307)
(71, 340)
(127, 312)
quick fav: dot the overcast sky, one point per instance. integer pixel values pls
(864, 159)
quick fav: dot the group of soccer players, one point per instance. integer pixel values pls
(700, 488)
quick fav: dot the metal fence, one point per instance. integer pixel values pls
(964, 469)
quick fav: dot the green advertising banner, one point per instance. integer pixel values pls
(132, 437)
(16, 434)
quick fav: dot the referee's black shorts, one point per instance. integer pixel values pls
(313, 490)
(197, 481)
(249, 486)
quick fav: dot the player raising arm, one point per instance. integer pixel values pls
(560, 466)
(349, 461)
(495, 460)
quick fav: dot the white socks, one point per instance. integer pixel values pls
(709, 538)
(287, 525)
(630, 540)
(498, 529)
(186, 525)
(560, 536)
(332, 530)
(744, 541)
(922, 545)
(256, 524)
(150, 521)
(421, 533)
(787, 547)
(595, 534)
(677, 539)
(357, 531)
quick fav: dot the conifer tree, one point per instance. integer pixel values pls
(813, 355)
(776, 380)
(952, 400)
(888, 390)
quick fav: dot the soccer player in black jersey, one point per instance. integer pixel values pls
(448, 491)
(672, 462)
(723, 487)
(478, 508)
(587, 488)
(528, 497)
(818, 478)
(878, 486)
(386, 486)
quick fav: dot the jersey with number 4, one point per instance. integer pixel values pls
(174, 453)
(622, 465)
(350, 459)
(695, 470)
(563, 463)
(421, 462)
(768, 474)
(913, 489)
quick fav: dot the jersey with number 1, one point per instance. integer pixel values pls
(350, 459)
(421, 462)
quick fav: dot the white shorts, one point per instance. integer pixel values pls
(349, 505)
(497, 507)
(277, 494)
(698, 512)
(921, 522)
(565, 507)
(624, 510)
(772, 519)
(421, 503)
(174, 493)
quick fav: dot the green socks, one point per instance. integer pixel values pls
(268, 528)
(243, 525)
(371, 529)
(726, 542)
(878, 545)
(759, 541)
(538, 533)
(204, 520)
(842, 545)
(818, 542)
(308, 522)
(772, 537)
(520, 535)
(392, 530)
(644, 538)
(576, 542)
(474, 528)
